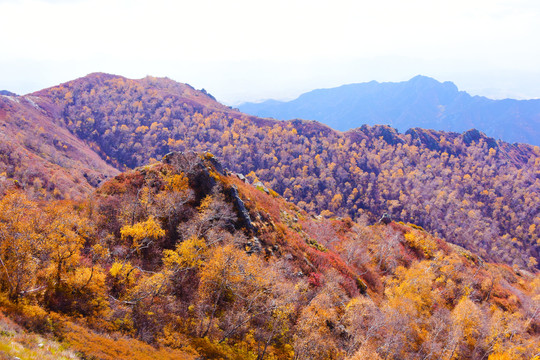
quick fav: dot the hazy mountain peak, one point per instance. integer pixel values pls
(7, 93)
(419, 102)
(423, 79)
(428, 82)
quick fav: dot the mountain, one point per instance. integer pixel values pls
(480, 193)
(182, 259)
(41, 154)
(435, 179)
(193, 251)
(116, 114)
(420, 102)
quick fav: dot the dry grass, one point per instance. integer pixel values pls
(16, 343)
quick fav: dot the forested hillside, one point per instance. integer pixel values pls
(181, 259)
(468, 188)
(42, 155)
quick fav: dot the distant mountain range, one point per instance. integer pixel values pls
(420, 102)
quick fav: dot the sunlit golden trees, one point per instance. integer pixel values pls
(64, 233)
(222, 283)
(466, 329)
(142, 234)
(319, 325)
(161, 257)
(407, 309)
(41, 253)
(489, 191)
(21, 245)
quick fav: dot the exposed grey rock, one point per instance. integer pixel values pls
(385, 219)
(260, 185)
(254, 246)
(242, 177)
(195, 169)
(215, 162)
(243, 214)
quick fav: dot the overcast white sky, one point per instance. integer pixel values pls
(251, 50)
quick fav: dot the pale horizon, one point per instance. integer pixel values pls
(255, 50)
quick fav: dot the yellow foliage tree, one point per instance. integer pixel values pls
(142, 233)
(20, 242)
(466, 324)
(64, 232)
(187, 255)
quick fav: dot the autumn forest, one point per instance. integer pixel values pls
(143, 219)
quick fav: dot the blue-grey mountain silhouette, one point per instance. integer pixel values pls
(420, 102)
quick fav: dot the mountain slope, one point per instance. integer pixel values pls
(40, 153)
(120, 115)
(480, 193)
(420, 102)
(182, 259)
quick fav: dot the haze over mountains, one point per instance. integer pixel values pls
(420, 102)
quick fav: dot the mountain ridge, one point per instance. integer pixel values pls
(235, 237)
(419, 102)
(435, 179)
(163, 84)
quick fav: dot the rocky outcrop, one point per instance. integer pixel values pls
(242, 177)
(366, 132)
(198, 168)
(420, 136)
(385, 219)
(194, 168)
(243, 215)
(475, 135)
(254, 246)
(259, 185)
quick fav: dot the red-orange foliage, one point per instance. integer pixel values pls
(161, 265)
